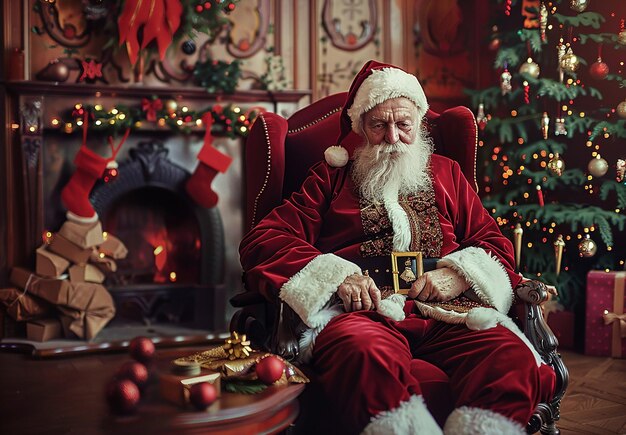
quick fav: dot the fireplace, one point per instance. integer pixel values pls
(175, 267)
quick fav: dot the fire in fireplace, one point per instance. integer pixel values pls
(175, 267)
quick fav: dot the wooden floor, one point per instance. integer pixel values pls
(595, 401)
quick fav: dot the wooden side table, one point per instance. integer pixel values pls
(66, 395)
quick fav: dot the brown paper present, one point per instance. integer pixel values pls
(104, 263)
(55, 291)
(175, 388)
(68, 250)
(22, 306)
(113, 247)
(88, 310)
(49, 264)
(85, 273)
(44, 329)
(83, 235)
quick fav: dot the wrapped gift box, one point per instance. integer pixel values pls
(605, 323)
(44, 329)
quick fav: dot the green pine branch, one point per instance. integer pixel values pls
(570, 177)
(587, 19)
(615, 129)
(620, 191)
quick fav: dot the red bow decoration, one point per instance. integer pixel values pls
(91, 70)
(621, 318)
(159, 18)
(151, 107)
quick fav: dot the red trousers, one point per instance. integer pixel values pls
(363, 362)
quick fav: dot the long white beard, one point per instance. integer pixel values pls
(385, 171)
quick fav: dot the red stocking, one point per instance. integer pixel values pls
(89, 168)
(211, 162)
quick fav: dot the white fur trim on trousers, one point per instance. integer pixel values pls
(410, 417)
(471, 421)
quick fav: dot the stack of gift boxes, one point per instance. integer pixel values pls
(605, 321)
(65, 297)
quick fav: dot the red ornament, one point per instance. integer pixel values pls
(494, 45)
(142, 349)
(122, 396)
(599, 70)
(270, 369)
(202, 394)
(110, 174)
(133, 371)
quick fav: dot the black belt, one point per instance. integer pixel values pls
(403, 265)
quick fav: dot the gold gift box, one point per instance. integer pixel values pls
(175, 388)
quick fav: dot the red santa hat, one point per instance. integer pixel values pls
(375, 83)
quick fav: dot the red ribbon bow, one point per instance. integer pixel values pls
(151, 107)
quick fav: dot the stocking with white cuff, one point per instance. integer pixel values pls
(89, 168)
(211, 161)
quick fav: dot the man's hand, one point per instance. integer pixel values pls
(438, 285)
(359, 292)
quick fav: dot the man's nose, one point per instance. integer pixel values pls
(392, 136)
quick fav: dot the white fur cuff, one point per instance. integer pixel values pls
(410, 417)
(485, 274)
(312, 287)
(467, 420)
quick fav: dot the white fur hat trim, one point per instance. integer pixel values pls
(382, 85)
(336, 156)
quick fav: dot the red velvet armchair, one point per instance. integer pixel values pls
(278, 154)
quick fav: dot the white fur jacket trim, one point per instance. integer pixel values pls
(308, 291)
(485, 274)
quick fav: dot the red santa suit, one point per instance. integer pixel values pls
(305, 248)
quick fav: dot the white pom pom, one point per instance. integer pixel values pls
(336, 156)
(112, 164)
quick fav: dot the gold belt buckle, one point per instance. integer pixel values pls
(411, 267)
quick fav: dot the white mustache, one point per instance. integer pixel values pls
(387, 148)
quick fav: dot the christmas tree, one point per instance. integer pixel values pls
(552, 136)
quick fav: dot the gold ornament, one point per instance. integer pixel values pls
(621, 37)
(237, 347)
(531, 68)
(620, 170)
(505, 82)
(559, 127)
(569, 62)
(560, 52)
(543, 20)
(559, 244)
(171, 106)
(556, 165)
(481, 118)
(579, 5)
(545, 124)
(621, 109)
(587, 247)
(518, 232)
(598, 166)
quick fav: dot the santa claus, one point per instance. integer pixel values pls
(326, 253)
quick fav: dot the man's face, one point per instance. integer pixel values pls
(391, 121)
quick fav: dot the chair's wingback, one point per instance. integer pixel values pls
(279, 151)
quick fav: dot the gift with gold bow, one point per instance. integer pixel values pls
(236, 361)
